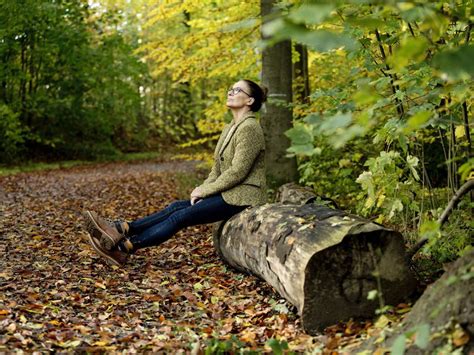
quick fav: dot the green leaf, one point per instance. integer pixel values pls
(300, 135)
(372, 295)
(430, 229)
(403, 141)
(311, 14)
(366, 96)
(457, 63)
(412, 162)
(398, 346)
(277, 346)
(281, 308)
(339, 120)
(240, 25)
(318, 40)
(417, 120)
(370, 23)
(324, 41)
(198, 286)
(396, 206)
(305, 149)
(467, 169)
(422, 336)
(411, 50)
(347, 134)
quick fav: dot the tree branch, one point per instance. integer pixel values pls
(398, 102)
(464, 189)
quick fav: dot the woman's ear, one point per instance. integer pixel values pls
(251, 100)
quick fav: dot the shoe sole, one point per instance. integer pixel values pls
(99, 251)
(107, 243)
(91, 229)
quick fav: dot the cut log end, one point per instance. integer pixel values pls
(339, 279)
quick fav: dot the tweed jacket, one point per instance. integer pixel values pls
(238, 172)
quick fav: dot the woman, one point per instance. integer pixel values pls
(236, 181)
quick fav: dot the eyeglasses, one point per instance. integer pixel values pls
(235, 91)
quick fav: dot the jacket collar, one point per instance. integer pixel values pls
(245, 116)
(233, 128)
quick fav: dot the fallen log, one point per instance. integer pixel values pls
(323, 261)
(445, 310)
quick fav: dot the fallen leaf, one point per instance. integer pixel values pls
(460, 337)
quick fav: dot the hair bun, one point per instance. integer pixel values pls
(258, 93)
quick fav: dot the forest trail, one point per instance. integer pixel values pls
(55, 293)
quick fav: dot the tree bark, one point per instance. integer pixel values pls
(301, 76)
(446, 308)
(277, 76)
(323, 261)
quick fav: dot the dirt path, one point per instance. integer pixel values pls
(56, 294)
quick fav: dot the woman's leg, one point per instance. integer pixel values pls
(208, 210)
(139, 225)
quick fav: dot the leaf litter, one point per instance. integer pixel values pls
(56, 294)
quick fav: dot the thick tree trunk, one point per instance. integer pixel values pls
(277, 76)
(323, 261)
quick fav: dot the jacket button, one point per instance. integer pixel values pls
(222, 158)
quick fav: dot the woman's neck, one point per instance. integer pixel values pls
(239, 114)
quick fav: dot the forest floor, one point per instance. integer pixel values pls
(56, 294)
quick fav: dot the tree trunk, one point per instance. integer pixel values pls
(277, 75)
(323, 261)
(301, 76)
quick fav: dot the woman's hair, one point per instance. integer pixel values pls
(259, 93)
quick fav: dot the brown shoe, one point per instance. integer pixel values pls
(115, 256)
(105, 232)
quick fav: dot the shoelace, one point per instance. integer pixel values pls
(116, 223)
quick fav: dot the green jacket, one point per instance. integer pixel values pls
(238, 172)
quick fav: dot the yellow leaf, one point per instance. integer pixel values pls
(101, 343)
(100, 285)
(460, 337)
(380, 219)
(369, 202)
(380, 200)
(382, 322)
(34, 325)
(70, 344)
(248, 337)
(460, 131)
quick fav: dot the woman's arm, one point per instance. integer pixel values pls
(249, 143)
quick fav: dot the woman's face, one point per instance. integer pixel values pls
(238, 95)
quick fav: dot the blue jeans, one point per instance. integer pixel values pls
(161, 226)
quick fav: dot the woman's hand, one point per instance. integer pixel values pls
(196, 195)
